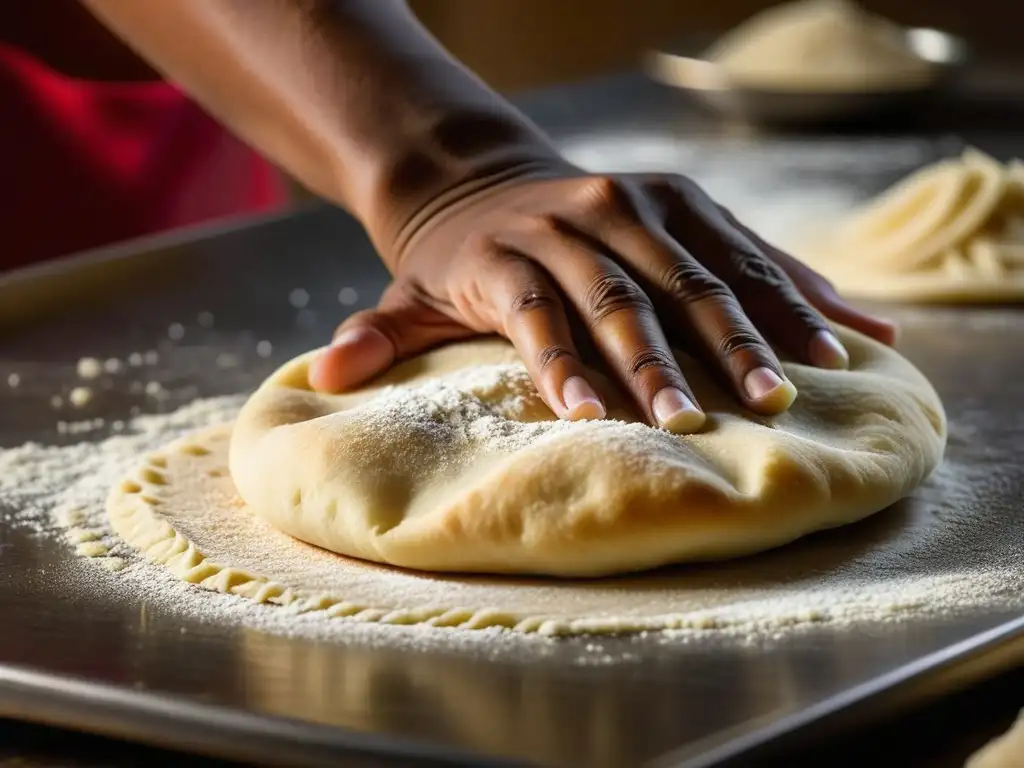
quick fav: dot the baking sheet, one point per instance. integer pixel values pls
(88, 658)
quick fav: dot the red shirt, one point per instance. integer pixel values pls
(86, 163)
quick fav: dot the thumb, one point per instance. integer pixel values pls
(369, 342)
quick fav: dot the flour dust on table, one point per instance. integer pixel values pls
(934, 554)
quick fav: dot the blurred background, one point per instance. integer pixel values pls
(93, 142)
(515, 44)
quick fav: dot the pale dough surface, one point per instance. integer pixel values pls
(452, 463)
(819, 45)
(1007, 751)
(179, 508)
(950, 232)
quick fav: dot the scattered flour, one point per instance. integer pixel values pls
(938, 553)
(58, 493)
(156, 390)
(89, 368)
(80, 396)
(81, 427)
(298, 298)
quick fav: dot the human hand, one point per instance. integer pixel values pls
(638, 263)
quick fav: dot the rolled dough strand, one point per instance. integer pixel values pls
(904, 216)
(959, 200)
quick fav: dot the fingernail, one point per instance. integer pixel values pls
(896, 331)
(676, 412)
(581, 401)
(369, 346)
(826, 351)
(769, 389)
(352, 356)
(353, 336)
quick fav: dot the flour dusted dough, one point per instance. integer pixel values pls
(951, 232)
(1007, 751)
(453, 463)
(466, 480)
(819, 45)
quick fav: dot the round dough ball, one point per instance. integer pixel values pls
(819, 45)
(452, 462)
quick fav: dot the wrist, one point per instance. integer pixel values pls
(460, 154)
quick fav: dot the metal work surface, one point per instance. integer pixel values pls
(99, 662)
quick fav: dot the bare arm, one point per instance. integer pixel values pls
(353, 98)
(484, 226)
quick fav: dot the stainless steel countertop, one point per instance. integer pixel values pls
(70, 657)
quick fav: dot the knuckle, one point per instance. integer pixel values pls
(765, 287)
(552, 354)
(662, 186)
(605, 196)
(532, 298)
(477, 243)
(608, 294)
(420, 295)
(689, 282)
(737, 341)
(729, 216)
(688, 188)
(650, 357)
(753, 270)
(528, 291)
(545, 224)
(805, 314)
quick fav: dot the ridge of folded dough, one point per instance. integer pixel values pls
(452, 462)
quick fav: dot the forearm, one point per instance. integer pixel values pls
(352, 97)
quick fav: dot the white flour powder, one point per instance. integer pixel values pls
(938, 553)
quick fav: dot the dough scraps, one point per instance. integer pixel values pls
(453, 463)
(950, 232)
(819, 45)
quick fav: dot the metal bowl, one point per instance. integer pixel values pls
(709, 85)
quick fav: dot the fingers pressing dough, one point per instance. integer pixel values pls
(452, 462)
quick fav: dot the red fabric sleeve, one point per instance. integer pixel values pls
(86, 164)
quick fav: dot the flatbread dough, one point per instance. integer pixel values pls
(951, 232)
(179, 508)
(1007, 751)
(452, 462)
(819, 45)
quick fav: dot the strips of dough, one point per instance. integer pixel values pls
(952, 231)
